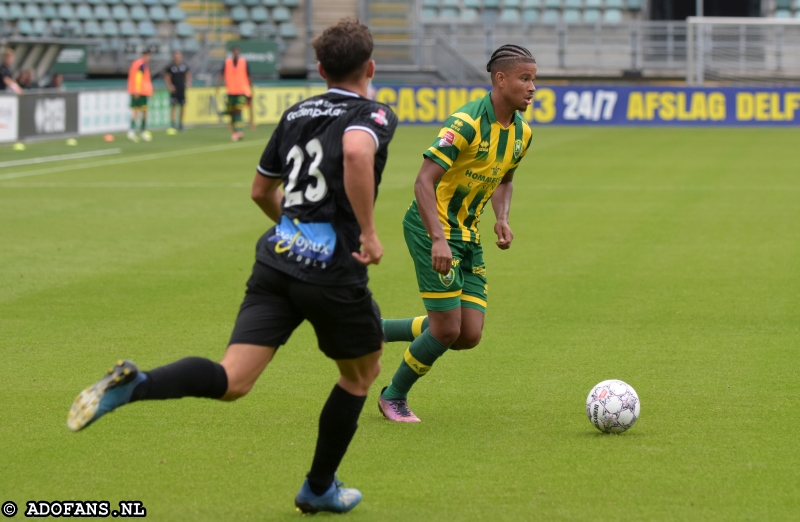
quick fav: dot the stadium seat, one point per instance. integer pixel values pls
(573, 4)
(430, 3)
(427, 14)
(509, 16)
(73, 28)
(127, 28)
(491, 4)
(551, 17)
(468, 14)
(530, 16)
(84, 12)
(147, 29)
(571, 16)
(157, 13)
(797, 4)
(259, 15)
(612, 16)
(130, 2)
(783, 4)
(247, 30)
(57, 27)
(597, 4)
(112, 2)
(448, 14)
(267, 30)
(169, 3)
(635, 5)
(90, 2)
(24, 28)
(92, 28)
(287, 30)
(176, 14)
(552, 4)
(291, 3)
(138, 13)
(528, 4)
(32, 11)
(616, 4)
(190, 45)
(232, 3)
(39, 27)
(102, 12)
(239, 14)
(48, 12)
(110, 28)
(3, 13)
(184, 30)
(450, 3)
(119, 13)
(149, 3)
(281, 14)
(250, 3)
(512, 4)
(15, 12)
(783, 13)
(472, 4)
(65, 11)
(591, 16)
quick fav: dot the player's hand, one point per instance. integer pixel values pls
(171, 89)
(371, 250)
(441, 257)
(504, 235)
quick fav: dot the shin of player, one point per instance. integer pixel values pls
(472, 160)
(140, 87)
(329, 153)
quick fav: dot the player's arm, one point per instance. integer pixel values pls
(358, 148)
(11, 84)
(188, 79)
(168, 81)
(429, 175)
(501, 204)
(267, 194)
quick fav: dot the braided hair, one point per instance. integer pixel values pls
(508, 54)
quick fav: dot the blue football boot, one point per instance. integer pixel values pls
(107, 394)
(337, 499)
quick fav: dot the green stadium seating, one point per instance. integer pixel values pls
(450, 3)
(250, 3)
(430, 3)
(287, 30)
(612, 16)
(551, 17)
(32, 11)
(796, 4)
(91, 28)
(783, 13)
(119, 13)
(66, 12)
(138, 13)
(291, 3)
(157, 13)
(591, 16)
(102, 12)
(191, 45)
(571, 16)
(110, 28)
(73, 28)
(259, 15)
(130, 2)
(530, 16)
(468, 14)
(267, 30)
(783, 4)
(635, 5)
(247, 30)
(184, 30)
(176, 14)
(169, 3)
(39, 27)
(3, 13)
(127, 28)
(281, 14)
(239, 14)
(509, 16)
(552, 4)
(111, 3)
(616, 4)
(57, 27)
(529, 4)
(491, 4)
(24, 27)
(270, 3)
(797, 14)
(512, 4)
(147, 29)
(84, 12)
(15, 12)
(472, 4)
(597, 4)
(448, 14)
(48, 12)
(573, 4)
(148, 3)
(426, 13)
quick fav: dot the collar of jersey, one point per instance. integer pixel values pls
(487, 102)
(343, 92)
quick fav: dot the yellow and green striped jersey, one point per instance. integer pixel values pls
(476, 152)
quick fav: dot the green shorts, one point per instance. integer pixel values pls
(138, 102)
(236, 102)
(465, 285)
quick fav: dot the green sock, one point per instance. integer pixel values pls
(404, 329)
(417, 361)
(144, 121)
(133, 124)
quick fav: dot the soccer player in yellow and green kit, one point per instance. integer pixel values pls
(472, 161)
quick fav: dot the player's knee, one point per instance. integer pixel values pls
(467, 341)
(237, 391)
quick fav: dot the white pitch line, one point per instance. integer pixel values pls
(46, 159)
(130, 159)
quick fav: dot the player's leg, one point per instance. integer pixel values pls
(404, 329)
(474, 297)
(134, 118)
(347, 323)
(173, 104)
(183, 111)
(146, 136)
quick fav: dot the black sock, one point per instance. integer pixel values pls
(189, 377)
(337, 425)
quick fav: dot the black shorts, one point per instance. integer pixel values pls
(346, 319)
(177, 98)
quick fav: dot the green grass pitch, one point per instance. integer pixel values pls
(669, 258)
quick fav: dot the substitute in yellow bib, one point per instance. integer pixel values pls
(471, 161)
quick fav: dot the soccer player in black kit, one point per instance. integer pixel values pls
(178, 78)
(328, 152)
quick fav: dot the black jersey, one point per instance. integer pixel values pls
(318, 230)
(177, 75)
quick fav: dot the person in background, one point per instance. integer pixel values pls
(178, 78)
(140, 87)
(6, 74)
(236, 74)
(25, 79)
(56, 82)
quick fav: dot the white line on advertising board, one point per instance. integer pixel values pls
(46, 159)
(131, 159)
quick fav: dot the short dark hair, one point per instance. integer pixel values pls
(145, 51)
(506, 55)
(344, 49)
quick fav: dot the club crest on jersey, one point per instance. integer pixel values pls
(379, 117)
(517, 148)
(448, 279)
(307, 242)
(447, 139)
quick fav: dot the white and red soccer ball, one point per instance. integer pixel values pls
(612, 406)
